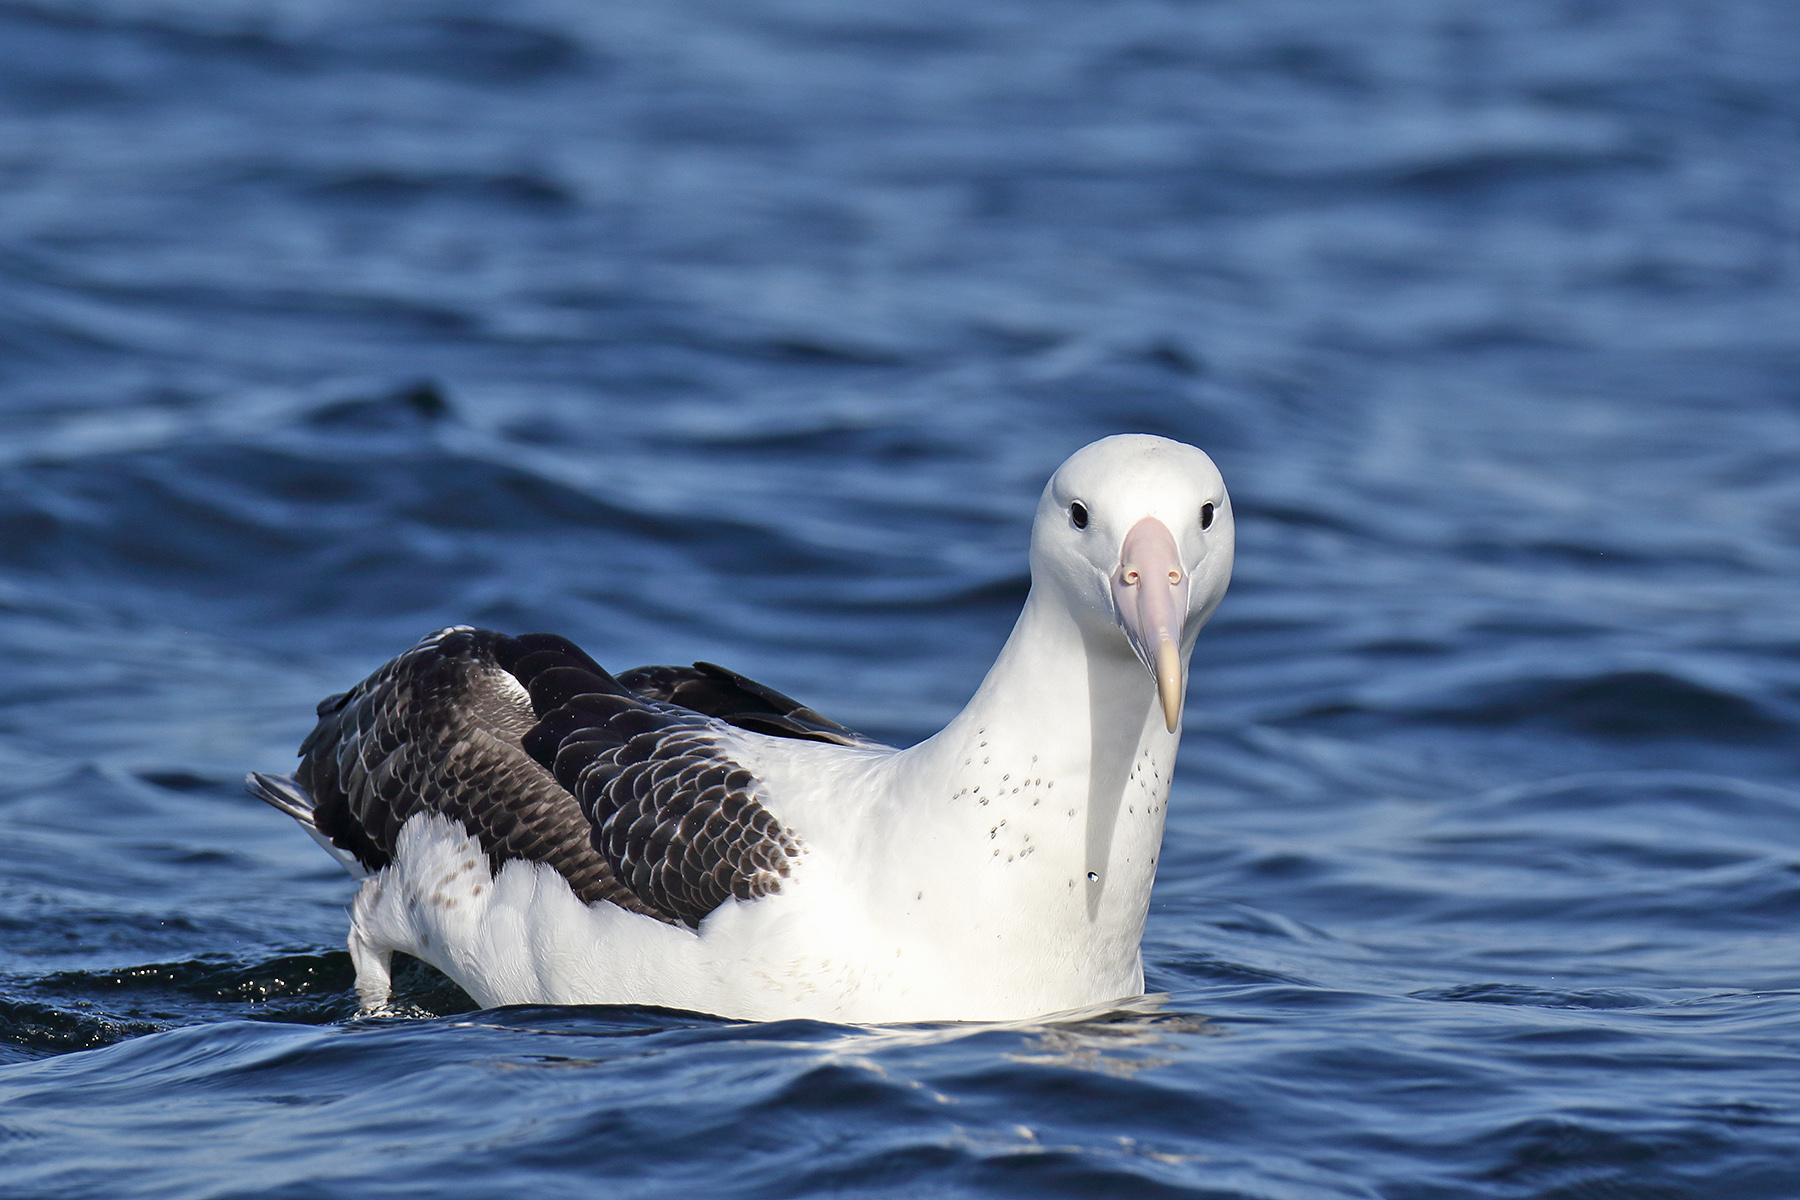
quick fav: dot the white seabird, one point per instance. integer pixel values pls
(545, 833)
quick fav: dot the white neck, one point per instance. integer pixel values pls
(1045, 797)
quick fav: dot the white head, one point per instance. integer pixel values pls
(1134, 532)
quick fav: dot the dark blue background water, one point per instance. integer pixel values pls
(749, 331)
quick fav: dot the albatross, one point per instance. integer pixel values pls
(544, 832)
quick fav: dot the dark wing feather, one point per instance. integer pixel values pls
(677, 819)
(438, 729)
(627, 790)
(715, 692)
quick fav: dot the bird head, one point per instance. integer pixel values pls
(1135, 534)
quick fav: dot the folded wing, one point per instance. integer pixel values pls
(626, 786)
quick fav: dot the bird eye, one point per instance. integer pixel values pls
(1078, 514)
(1206, 512)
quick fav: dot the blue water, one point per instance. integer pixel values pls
(748, 332)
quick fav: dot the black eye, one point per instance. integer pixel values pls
(1078, 514)
(1206, 512)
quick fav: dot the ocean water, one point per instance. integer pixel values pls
(749, 332)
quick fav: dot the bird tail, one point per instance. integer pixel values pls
(283, 793)
(278, 791)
